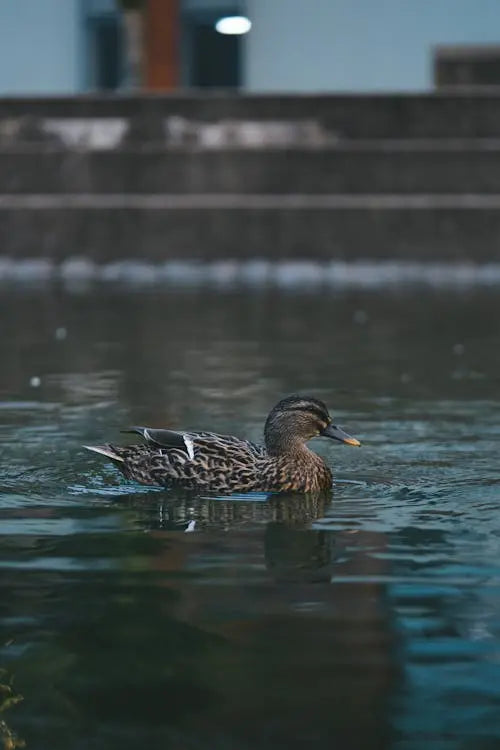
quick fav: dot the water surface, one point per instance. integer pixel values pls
(141, 618)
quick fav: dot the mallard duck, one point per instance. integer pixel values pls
(223, 464)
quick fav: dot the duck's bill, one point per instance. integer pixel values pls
(334, 432)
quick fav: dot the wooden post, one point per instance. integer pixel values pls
(162, 42)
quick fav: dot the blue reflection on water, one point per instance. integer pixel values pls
(366, 618)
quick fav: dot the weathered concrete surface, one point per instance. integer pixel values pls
(273, 233)
(180, 119)
(208, 177)
(392, 167)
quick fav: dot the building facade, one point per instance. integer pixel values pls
(358, 45)
(78, 46)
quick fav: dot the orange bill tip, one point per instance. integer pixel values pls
(352, 441)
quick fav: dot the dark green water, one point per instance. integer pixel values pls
(371, 620)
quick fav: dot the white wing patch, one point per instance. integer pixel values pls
(189, 446)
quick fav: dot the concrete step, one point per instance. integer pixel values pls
(322, 227)
(147, 119)
(398, 167)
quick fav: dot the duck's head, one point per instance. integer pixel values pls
(296, 419)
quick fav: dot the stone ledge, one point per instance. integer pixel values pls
(276, 171)
(369, 232)
(249, 202)
(216, 118)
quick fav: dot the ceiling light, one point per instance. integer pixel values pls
(233, 25)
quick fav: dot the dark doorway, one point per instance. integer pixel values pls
(211, 59)
(216, 58)
(105, 45)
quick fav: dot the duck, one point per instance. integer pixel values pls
(224, 464)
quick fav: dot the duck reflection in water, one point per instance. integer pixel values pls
(258, 574)
(292, 549)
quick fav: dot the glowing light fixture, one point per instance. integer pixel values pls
(233, 25)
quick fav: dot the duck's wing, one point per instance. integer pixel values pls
(259, 451)
(192, 460)
(186, 441)
(166, 439)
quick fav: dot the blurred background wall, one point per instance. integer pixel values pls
(358, 45)
(392, 152)
(41, 47)
(75, 46)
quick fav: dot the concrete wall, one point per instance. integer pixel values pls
(119, 230)
(358, 45)
(234, 177)
(218, 120)
(294, 45)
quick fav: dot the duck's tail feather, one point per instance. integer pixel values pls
(104, 450)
